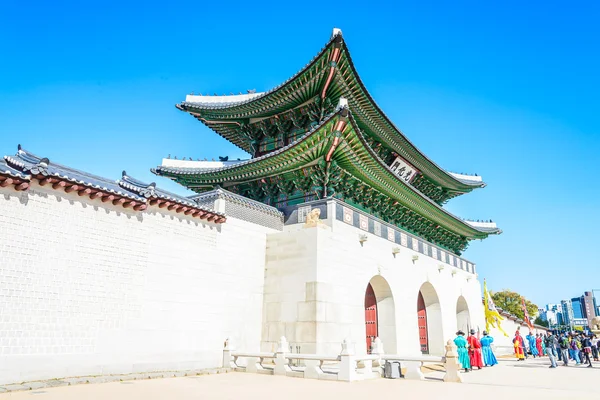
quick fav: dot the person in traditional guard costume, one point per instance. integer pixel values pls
(463, 353)
(519, 345)
(475, 356)
(489, 359)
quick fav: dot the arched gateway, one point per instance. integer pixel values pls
(463, 317)
(380, 314)
(429, 316)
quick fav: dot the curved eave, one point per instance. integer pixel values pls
(263, 99)
(444, 178)
(267, 104)
(391, 175)
(277, 159)
(293, 157)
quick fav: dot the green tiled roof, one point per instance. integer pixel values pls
(353, 155)
(227, 115)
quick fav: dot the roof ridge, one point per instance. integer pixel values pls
(335, 37)
(28, 156)
(219, 192)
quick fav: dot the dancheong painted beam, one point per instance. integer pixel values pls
(333, 159)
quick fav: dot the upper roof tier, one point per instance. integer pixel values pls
(323, 81)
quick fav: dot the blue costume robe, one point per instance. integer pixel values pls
(463, 352)
(489, 359)
(532, 345)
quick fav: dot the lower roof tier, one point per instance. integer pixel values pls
(333, 159)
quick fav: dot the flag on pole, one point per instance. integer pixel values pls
(526, 314)
(492, 316)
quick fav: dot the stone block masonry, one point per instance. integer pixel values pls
(316, 280)
(88, 288)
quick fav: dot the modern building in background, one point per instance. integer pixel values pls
(588, 303)
(580, 324)
(552, 313)
(577, 312)
(577, 305)
(567, 312)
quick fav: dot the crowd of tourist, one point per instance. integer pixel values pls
(574, 347)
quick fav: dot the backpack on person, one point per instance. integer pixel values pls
(564, 344)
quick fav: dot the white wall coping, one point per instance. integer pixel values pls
(474, 178)
(169, 162)
(479, 224)
(233, 98)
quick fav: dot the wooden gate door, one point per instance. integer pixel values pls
(422, 315)
(370, 316)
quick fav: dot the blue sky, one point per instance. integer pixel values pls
(507, 91)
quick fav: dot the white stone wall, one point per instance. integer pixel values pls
(315, 286)
(87, 288)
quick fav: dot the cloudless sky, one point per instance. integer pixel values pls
(509, 91)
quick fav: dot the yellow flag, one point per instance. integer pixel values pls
(492, 316)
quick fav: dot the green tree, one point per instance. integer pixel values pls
(540, 321)
(510, 302)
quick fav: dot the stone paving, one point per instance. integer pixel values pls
(509, 380)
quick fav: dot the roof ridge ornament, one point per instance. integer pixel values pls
(336, 32)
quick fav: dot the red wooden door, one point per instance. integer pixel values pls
(422, 315)
(370, 316)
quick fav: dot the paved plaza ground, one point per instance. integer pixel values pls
(509, 380)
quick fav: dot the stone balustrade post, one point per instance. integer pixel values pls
(452, 365)
(282, 363)
(413, 370)
(313, 369)
(365, 367)
(227, 349)
(347, 370)
(378, 351)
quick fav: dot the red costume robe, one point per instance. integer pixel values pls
(475, 355)
(519, 346)
(538, 344)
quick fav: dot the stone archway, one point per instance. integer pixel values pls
(430, 313)
(380, 314)
(463, 316)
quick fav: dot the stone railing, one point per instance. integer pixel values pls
(343, 367)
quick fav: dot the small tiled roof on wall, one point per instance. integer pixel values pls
(10, 176)
(24, 167)
(518, 320)
(220, 193)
